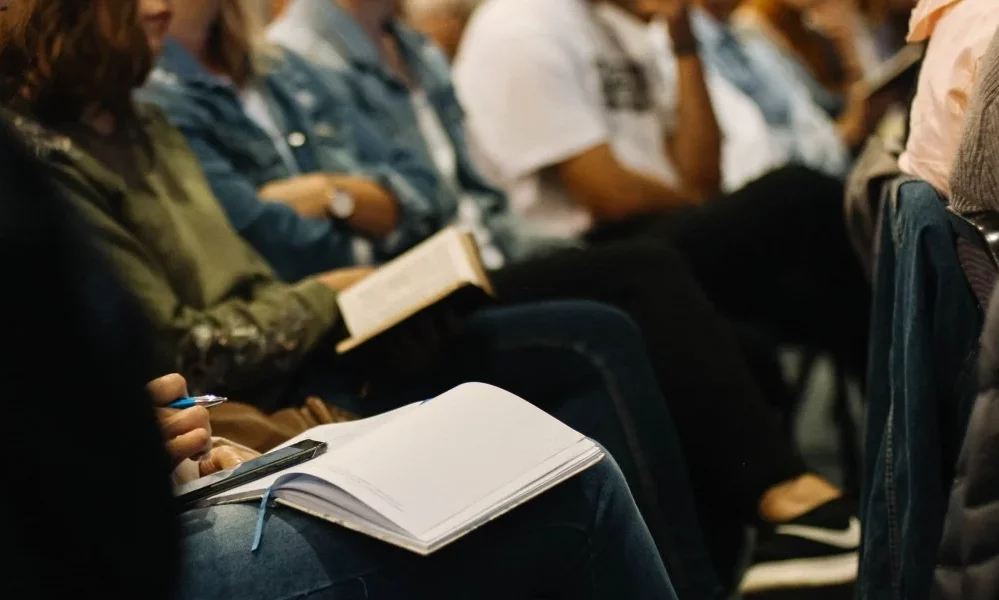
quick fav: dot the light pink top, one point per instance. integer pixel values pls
(959, 32)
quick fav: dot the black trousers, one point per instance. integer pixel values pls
(774, 254)
(733, 439)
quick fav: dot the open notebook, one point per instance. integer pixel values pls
(424, 475)
(444, 267)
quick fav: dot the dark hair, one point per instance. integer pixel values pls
(61, 58)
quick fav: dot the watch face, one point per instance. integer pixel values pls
(342, 205)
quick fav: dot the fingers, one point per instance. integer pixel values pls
(220, 459)
(188, 445)
(166, 389)
(185, 421)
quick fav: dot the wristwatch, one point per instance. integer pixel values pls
(342, 205)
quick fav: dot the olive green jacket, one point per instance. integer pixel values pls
(225, 319)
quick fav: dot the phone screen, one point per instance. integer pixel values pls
(191, 493)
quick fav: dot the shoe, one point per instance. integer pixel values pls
(816, 552)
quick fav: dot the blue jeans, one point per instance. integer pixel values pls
(924, 342)
(584, 363)
(582, 539)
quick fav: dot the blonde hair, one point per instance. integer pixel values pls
(237, 42)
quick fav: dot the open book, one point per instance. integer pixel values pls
(424, 475)
(446, 265)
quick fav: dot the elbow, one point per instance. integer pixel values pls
(707, 186)
(611, 205)
(702, 180)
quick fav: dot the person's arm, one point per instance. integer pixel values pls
(376, 212)
(266, 331)
(694, 142)
(295, 246)
(610, 191)
(530, 110)
(368, 160)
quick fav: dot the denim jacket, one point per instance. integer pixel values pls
(329, 37)
(924, 343)
(324, 134)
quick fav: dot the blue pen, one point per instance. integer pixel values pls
(206, 401)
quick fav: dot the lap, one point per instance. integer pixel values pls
(526, 552)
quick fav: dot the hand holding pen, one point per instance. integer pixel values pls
(203, 401)
(184, 421)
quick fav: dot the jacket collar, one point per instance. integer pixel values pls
(178, 64)
(331, 23)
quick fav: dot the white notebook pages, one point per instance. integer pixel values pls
(424, 475)
(439, 267)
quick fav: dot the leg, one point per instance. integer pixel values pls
(690, 347)
(582, 539)
(775, 252)
(584, 363)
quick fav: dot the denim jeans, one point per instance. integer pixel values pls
(582, 539)
(924, 341)
(584, 363)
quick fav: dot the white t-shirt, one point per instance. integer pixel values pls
(748, 148)
(543, 81)
(469, 217)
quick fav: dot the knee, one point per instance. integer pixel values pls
(602, 322)
(605, 487)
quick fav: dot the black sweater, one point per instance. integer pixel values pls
(85, 502)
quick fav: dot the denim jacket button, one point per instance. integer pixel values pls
(296, 139)
(324, 130)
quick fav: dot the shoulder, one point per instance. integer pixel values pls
(305, 42)
(299, 71)
(173, 98)
(82, 178)
(41, 141)
(516, 30)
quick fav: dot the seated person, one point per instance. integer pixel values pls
(583, 538)
(959, 31)
(823, 42)
(404, 86)
(650, 283)
(84, 529)
(805, 131)
(605, 154)
(224, 318)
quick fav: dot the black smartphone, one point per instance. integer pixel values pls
(190, 494)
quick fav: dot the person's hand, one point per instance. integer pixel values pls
(188, 432)
(223, 458)
(342, 279)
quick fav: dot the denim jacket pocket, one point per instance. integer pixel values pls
(254, 156)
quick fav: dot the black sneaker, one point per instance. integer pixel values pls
(818, 550)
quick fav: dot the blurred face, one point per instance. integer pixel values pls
(192, 18)
(720, 9)
(154, 16)
(800, 5)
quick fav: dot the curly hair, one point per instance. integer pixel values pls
(60, 59)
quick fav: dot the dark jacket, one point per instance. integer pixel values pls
(969, 551)
(87, 506)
